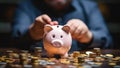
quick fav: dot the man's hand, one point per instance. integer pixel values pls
(37, 28)
(79, 31)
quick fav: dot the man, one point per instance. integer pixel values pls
(87, 26)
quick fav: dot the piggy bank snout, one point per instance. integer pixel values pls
(57, 43)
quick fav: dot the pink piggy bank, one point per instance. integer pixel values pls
(57, 40)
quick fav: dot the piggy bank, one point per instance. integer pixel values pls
(57, 40)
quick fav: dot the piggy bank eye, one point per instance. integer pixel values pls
(53, 36)
(61, 36)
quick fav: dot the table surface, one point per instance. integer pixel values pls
(115, 52)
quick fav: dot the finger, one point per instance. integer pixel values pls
(77, 31)
(51, 23)
(82, 34)
(39, 21)
(72, 28)
(46, 19)
(55, 22)
(72, 31)
(69, 23)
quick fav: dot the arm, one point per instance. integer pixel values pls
(26, 32)
(93, 31)
(96, 24)
(20, 25)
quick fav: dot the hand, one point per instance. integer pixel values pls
(37, 28)
(79, 31)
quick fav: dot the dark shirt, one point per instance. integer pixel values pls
(85, 10)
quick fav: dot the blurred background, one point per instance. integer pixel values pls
(109, 8)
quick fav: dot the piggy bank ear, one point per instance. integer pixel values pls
(66, 29)
(47, 28)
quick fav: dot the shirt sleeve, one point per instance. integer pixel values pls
(96, 24)
(20, 25)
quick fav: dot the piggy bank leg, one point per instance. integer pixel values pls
(65, 55)
(50, 55)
